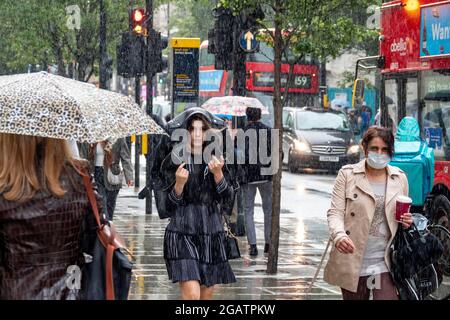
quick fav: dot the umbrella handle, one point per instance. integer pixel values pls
(308, 291)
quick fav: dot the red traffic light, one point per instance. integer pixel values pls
(138, 15)
(137, 20)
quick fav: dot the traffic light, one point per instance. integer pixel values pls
(162, 79)
(212, 41)
(163, 61)
(131, 55)
(137, 21)
(249, 18)
(107, 62)
(155, 61)
(221, 38)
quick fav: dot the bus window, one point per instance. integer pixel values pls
(412, 102)
(206, 59)
(436, 112)
(391, 88)
(266, 54)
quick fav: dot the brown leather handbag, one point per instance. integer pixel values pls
(108, 275)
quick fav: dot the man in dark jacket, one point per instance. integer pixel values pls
(255, 180)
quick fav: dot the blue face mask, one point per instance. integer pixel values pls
(378, 161)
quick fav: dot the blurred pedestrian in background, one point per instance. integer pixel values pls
(254, 181)
(237, 219)
(119, 172)
(365, 118)
(106, 160)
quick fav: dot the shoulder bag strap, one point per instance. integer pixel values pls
(92, 200)
(109, 245)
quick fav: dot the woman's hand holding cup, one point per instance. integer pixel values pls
(406, 220)
(402, 215)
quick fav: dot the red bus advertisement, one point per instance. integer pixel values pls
(304, 90)
(415, 45)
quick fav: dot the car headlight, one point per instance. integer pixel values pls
(301, 147)
(353, 149)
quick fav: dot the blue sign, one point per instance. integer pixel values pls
(185, 78)
(248, 42)
(210, 80)
(435, 30)
(434, 137)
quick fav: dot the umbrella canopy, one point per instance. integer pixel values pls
(233, 105)
(46, 105)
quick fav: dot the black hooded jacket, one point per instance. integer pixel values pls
(164, 172)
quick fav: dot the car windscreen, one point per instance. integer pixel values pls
(309, 120)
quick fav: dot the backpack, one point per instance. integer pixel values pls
(414, 157)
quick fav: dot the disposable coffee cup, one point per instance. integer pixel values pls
(403, 205)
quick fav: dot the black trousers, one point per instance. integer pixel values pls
(99, 177)
(111, 198)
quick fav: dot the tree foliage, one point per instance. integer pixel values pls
(36, 32)
(192, 18)
(319, 28)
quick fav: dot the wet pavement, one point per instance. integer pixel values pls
(303, 237)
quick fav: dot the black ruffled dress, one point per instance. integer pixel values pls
(194, 241)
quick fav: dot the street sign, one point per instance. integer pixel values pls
(185, 43)
(248, 42)
(185, 78)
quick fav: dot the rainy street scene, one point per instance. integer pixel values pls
(225, 150)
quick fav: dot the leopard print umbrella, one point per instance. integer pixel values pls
(46, 105)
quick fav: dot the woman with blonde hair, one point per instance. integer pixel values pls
(43, 205)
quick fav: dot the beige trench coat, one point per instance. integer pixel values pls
(351, 213)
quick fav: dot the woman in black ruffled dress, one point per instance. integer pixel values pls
(194, 241)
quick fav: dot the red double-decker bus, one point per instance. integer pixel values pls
(415, 81)
(304, 90)
(415, 45)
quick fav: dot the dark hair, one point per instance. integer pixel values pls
(206, 124)
(383, 133)
(253, 114)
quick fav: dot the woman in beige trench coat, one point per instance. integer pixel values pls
(362, 220)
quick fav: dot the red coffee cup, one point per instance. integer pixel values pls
(403, 205)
